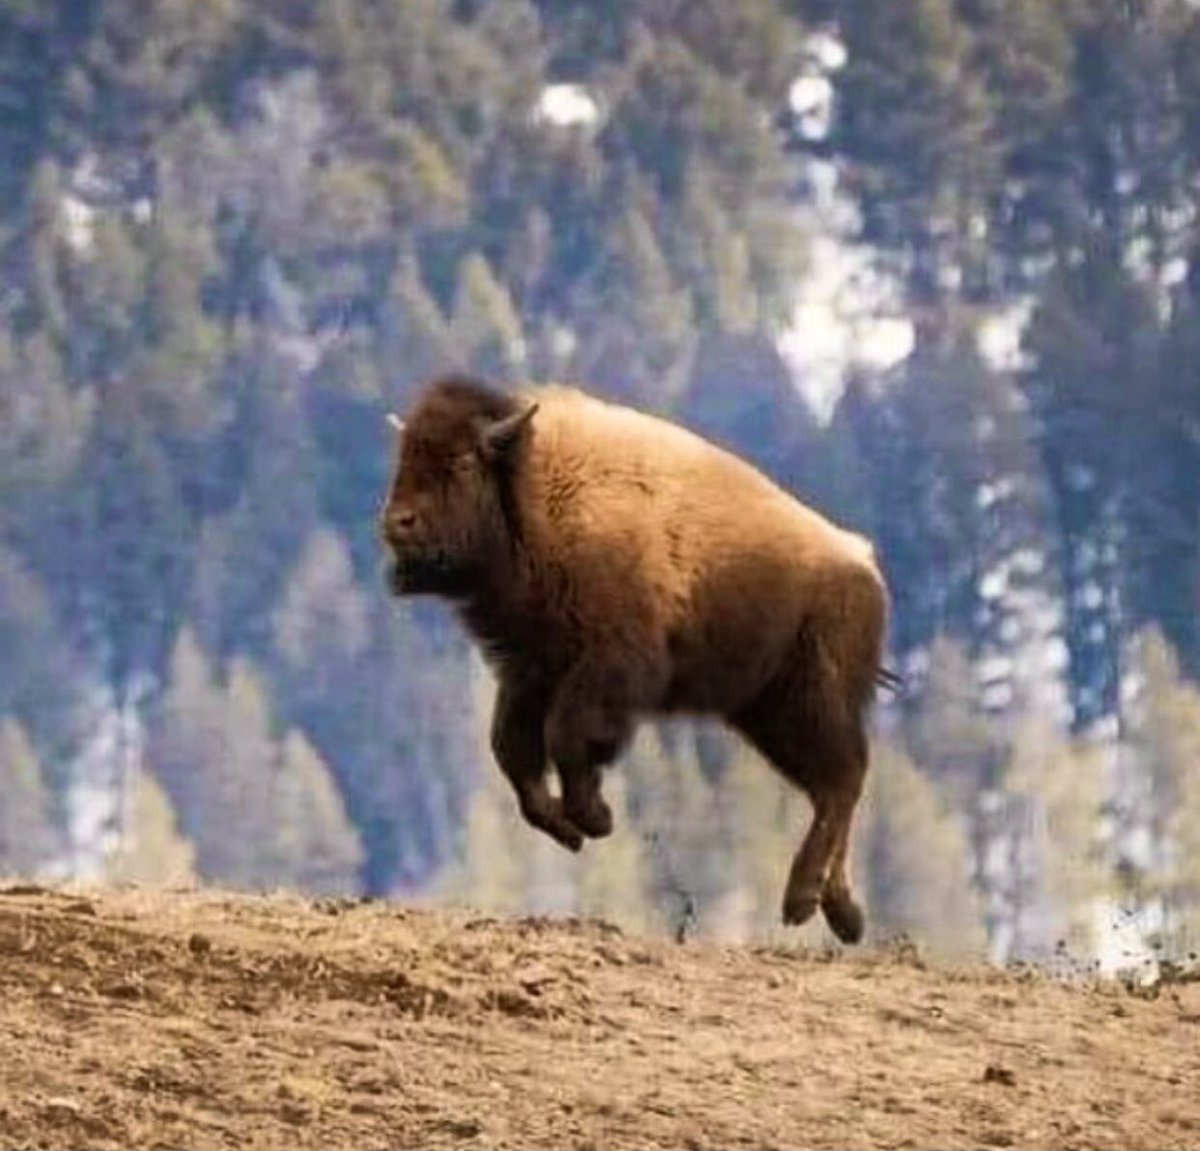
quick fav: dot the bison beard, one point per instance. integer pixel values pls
(614, 566)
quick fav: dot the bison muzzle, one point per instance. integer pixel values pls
(613, 566)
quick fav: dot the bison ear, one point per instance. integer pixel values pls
(499, 437)
(395, 423)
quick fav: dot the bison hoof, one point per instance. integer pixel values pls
(798, 909)
(844, 916)
(596, 821)
(548, 817)
(569, 837)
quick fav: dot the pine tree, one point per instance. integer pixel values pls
(612, 875)
(415, 338)
(912, 858)
(43, 425)
(684, 825)
(315, 846)
(489, 871)
(28, 835)
(1061, 870)
(152, 851)
(1092, 332)
(39, 681)
(321, 619)
(1162, 842)
(913, 130)
(181, 347)
(211, 745)
(948, 733)
(770, 818)
(245, 553)
(427, 192)
(485, 323)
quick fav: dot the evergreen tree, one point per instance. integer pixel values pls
(43, 425)
(39, 683)
(1160, 843)
(152, 851)
(612, 878)
(212, 748)
(1059, 868)
(321, 620)
(914, 128)
(316, 848)
(949, 735)
(489, 869)
(770, 817)
(685, 825)
(912, 857)
(485, 325)
(28, 835)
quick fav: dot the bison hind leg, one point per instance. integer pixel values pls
(823, 752)
(842, 913)
(844, 916)
(818, 873)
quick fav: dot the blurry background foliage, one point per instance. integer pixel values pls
(934, 266)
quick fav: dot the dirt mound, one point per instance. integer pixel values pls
(140, 1019)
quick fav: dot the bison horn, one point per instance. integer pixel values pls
(395, 422)
(500, 435)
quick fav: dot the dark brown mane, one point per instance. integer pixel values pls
(462, 398)
(447, 420)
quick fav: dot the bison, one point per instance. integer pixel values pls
(613, 566)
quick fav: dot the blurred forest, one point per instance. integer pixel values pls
(233, 234)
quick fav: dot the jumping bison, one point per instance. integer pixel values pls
(611, 566)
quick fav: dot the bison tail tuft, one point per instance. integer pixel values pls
(889, 679)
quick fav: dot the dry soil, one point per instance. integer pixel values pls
(133, 1019)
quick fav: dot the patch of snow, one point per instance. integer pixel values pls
(1000, 335)
(997, 697)
(1174, 272)
(826, 50)
(840, 321)
(79, 224)
(994, 584)
(1028, 561)
(811, 101)
(567, 105)
(994, 668)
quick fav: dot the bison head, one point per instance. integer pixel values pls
(448, 511)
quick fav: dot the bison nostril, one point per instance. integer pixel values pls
(402, 521)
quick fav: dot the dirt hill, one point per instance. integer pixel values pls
(137, 1019)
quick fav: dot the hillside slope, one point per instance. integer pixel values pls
(138, 1019)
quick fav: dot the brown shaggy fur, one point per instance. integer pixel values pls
(612, 566)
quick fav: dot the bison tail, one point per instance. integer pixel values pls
(884, 677)
(846, 631)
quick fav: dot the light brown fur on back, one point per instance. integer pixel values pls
(665, 536)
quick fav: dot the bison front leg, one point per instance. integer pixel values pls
(518, 743)
(589, 724)
(579, 774)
